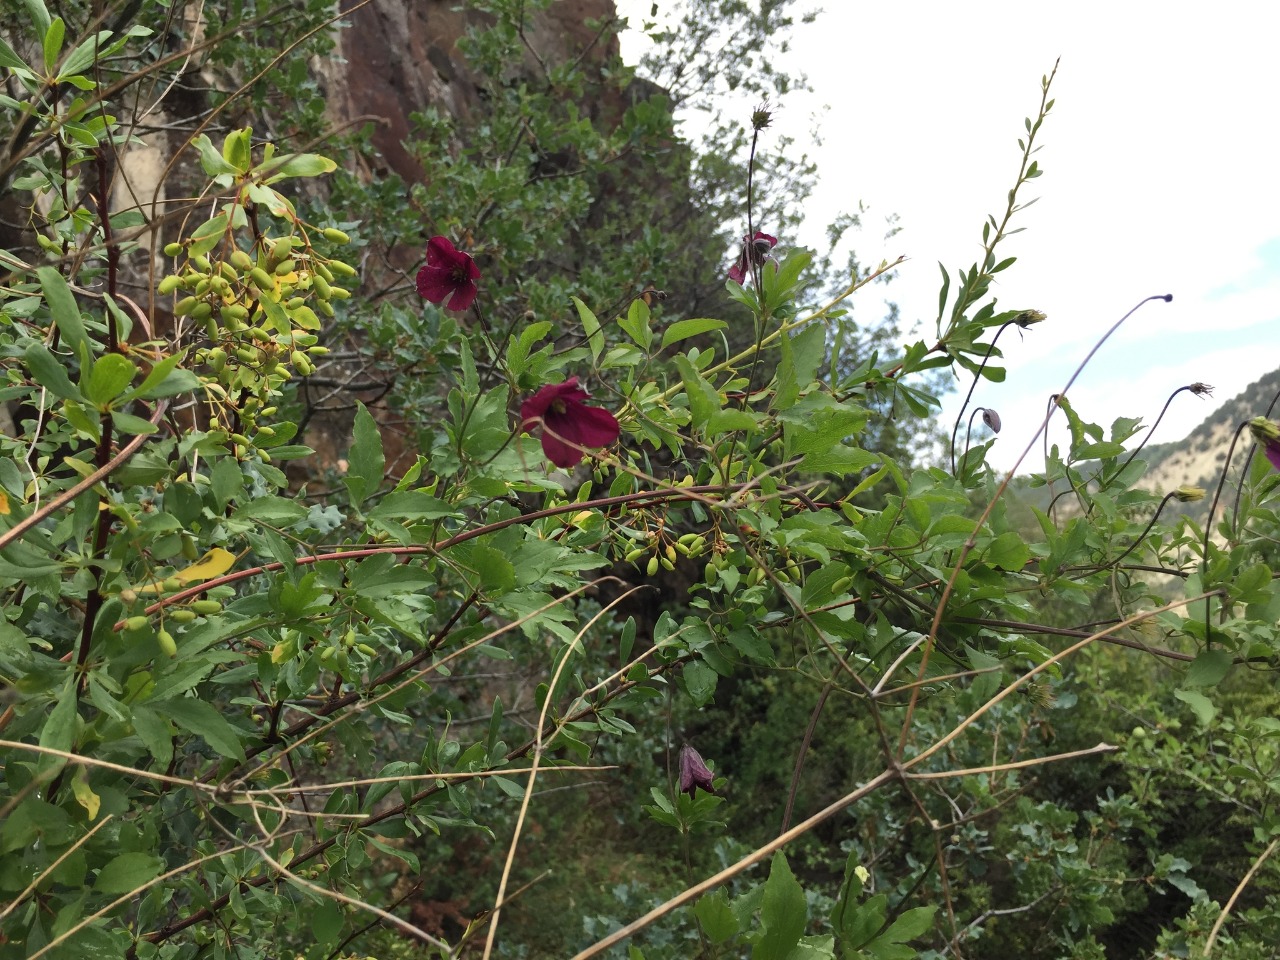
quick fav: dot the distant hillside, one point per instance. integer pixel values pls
(1196, 459)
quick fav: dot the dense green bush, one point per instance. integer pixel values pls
(469, 700)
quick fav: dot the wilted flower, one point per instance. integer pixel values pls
(754, 252)
(1267, 434)
(761, 117)
(1200, 389)
(693, 772)
(1028, 318)
(568, 424)
(449, 274)
(1189, 493)
(991, 419)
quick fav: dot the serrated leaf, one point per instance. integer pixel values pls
(783, 912)
(365, 461)
(716, 916)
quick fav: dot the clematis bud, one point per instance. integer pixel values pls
(694, 773)
(991, 419)
(1267, 435)
(1189, 493)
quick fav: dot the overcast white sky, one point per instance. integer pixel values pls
(1160, 176)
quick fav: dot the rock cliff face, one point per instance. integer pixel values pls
(398, 57)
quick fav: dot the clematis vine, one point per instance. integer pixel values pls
(449, 274)
(694, 773)
(568, 424)
(755, 250)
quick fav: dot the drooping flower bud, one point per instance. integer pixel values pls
(1264, 429)
(1189, 493)
(1267, 434)
(694, 772)
(991, 419)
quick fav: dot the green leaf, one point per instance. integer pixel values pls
(164, 379)
(716, 916)
(518, 347)
(109, 377)
(202, 719)
(298, 165)
(1008, 552)
(783, 912)
(700, 680)
(153, 731)
(84, 54)
(365, 460)
(48, 371)
(590, 327)
(636, 324)
(801, 355)
(684, 329)
(909, 925)
(237, 149)
(840, 459)
(326, 922)
(59, 731)
(1208, 668)
(208, 235)
(1200, 705)
(211, 158)
(128, 423)
(273, 510)
(53, 38)
(63, 308)
(127, 872)
(10, 59)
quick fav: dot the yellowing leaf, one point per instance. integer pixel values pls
(4, 504)
(84, 793)
(213, 564)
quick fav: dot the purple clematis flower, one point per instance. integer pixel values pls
(568, 424)
(694, 772)
(449, 274)
(754, 251)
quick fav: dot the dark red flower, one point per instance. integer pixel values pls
(693, 772)
(568, 424)
(754, 252)
(449, 274)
